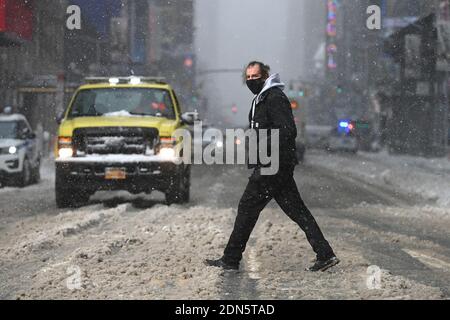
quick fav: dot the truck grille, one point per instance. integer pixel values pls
(117, 140)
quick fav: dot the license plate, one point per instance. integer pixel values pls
(115, 174)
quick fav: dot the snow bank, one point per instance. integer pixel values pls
(429, 178)
(281, 253)
(158, 253)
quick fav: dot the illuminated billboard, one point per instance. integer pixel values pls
(331, 49)
(16, 20)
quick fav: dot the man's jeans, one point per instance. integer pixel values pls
(259, 192)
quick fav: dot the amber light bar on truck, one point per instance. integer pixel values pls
(134, 80)
(168, 141)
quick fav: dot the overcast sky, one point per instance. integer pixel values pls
(230, 33)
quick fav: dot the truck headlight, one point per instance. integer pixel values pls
(12, 150)
(65, 153)
(168, 153)
(65, 149)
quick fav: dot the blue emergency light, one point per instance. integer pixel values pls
(343, 124)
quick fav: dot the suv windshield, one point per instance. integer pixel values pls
(123, 101)
(8, 130)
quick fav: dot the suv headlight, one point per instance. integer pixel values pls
(9, 150)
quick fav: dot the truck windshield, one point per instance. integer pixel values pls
(8, 130)
(123, 102)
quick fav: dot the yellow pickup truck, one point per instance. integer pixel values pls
(116, 134)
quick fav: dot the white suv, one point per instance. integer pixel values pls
(19, 154)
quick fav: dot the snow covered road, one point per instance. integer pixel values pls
(393, 244)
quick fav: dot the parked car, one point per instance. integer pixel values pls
(317, 136)
(19, 152)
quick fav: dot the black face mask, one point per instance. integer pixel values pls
(256, 85)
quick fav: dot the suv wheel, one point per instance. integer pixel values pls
(25, 175)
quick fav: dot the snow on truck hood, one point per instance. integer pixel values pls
(5, 143)
(124, 113)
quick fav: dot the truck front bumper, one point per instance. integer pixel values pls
(142, 174)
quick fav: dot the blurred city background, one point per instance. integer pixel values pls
(390, 84)
(372, 115)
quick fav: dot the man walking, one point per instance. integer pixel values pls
(271, 110)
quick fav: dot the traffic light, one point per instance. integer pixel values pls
(294, 104)
(291, 91)
(302, 93)
(351, 126)
(188, 62)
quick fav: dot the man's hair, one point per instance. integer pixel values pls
(265, 69)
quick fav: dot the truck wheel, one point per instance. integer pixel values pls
(25, 175)
(187, 185)
(70, 198)
(178, 190)
(64, 198)
(67, 195)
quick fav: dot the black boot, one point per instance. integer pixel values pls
(322, 265)
(220, 263)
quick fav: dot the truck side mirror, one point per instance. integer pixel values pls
(59, 117)
(189, 118)
(27, 134)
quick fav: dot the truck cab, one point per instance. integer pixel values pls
(116, 134)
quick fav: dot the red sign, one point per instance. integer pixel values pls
(16, 18)
(2, 15)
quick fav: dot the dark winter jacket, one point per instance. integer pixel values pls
(272, 110)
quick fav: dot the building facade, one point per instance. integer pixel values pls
(391, 77)
(31, 58)
(42, 61)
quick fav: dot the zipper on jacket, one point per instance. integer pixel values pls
(252, 121)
